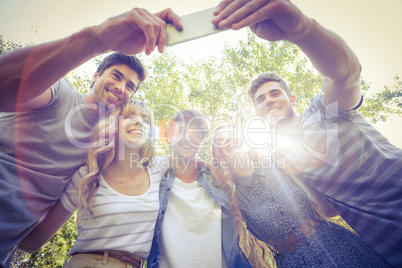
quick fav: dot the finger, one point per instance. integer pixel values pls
(222, 5)
(260, 15)
(159, 30)
(162, 39)
(168, 15)
(138, 18)
(228, 8)
(241, 13)
(150, 28)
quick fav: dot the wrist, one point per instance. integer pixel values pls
(306, 34)
(91, 45)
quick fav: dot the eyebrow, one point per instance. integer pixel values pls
(145, 116)
(261, 96)
(274, 90)
(122, 75)
(270, 92)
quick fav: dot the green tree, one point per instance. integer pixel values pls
(381, 105)
(8, 45)
(53, 253)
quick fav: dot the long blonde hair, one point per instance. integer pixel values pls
(255, 250)
(103, 150)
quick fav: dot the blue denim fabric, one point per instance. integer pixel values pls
(206, 180)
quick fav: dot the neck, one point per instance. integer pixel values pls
(127, 160)
(287, 125)
(185, 168)
(93, 104)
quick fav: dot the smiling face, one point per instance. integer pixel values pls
(115, 86)
(134, 127)
(186, 140)
(226, 141)
(271, 100)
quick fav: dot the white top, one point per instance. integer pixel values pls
(191, 230)
(120, 222)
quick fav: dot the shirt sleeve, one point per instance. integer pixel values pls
(69, 199)
(61, 90)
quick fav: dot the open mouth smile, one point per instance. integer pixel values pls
(112, 95)
(135, 132)
(186, 147)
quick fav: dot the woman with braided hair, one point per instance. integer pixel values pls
(277, 211)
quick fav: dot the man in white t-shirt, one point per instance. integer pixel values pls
(198, 227)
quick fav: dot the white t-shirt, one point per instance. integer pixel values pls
(191, 230)
(120, 222)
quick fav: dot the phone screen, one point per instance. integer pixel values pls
(195, 25)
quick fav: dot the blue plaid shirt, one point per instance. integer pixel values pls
(359, 172)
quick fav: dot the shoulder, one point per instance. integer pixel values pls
(80, 173)
(158, 167)
(63, 92)
(63, 87)
(316, 103)
(159, 163)
(211, 186)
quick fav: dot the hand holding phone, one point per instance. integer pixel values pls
(195, 25)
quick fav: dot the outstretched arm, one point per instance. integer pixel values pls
(46, 229)
(27, 74)
(281, 20)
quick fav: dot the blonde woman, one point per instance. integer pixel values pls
(277, 211)
(116, 194)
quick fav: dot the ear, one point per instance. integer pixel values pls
(292, 100)
(95, 76)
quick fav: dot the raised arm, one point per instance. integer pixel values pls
(281, 20)
(26, 74)
(46, 229)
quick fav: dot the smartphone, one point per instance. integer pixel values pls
(195, 25)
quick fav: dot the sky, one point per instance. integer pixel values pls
(371, 28)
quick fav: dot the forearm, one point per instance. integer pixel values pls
(336, 61)
(28, 72)
(46, 229)
(35, 239)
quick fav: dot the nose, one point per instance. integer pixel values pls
(120, 87)
(138, 120)
(269, 99)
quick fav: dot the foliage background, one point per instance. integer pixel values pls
(216, 87)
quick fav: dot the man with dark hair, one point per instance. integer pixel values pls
(46, 125)
(120, 59)
(198, 227)
(331, 147)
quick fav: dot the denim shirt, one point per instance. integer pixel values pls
(207, 181)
